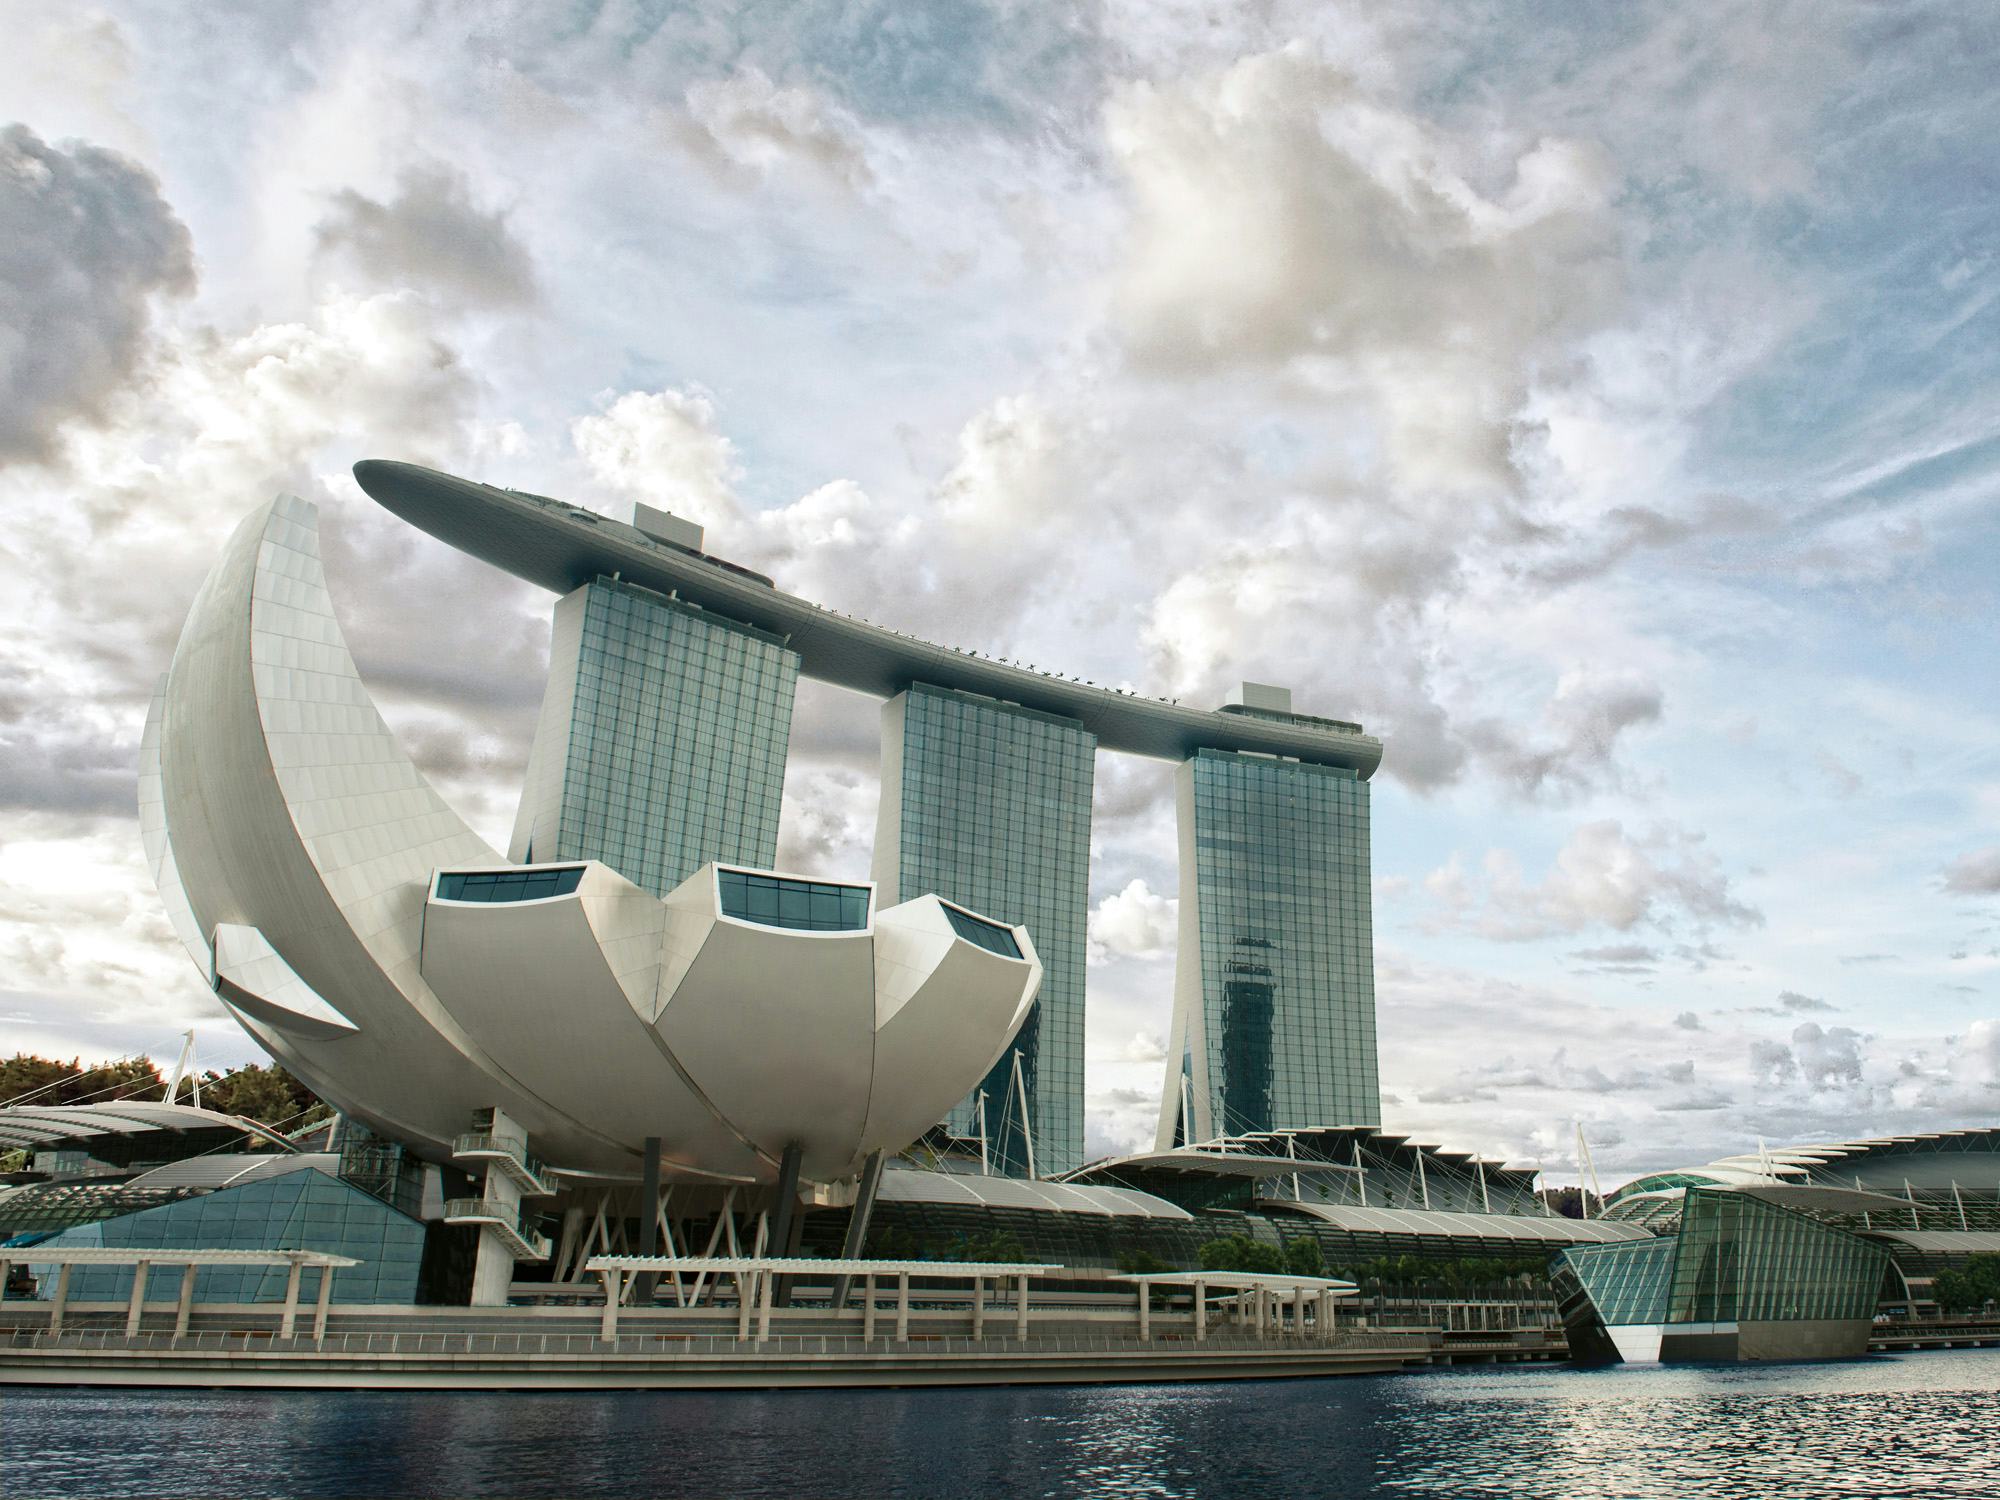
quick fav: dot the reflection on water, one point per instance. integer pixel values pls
(1905, 1425)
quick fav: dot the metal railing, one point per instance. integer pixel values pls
(683, 1346)
(529, 1243)
(513, 1157)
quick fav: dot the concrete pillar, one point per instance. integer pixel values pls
(325, 1301)
(291, 1302)
(1020, 1307)
(614, 1288)
(1146, 1310)
(787, 1198)
(902, 1307)
(136, 1309)
(1200, 1312)
(785, 1219)
(865, 1188)
(746, 1293)
(493, 1271)
(1260, 1309)
(184, 1308)
(979, 1307)
(62, 1299)
(769, 1282)
(868, 1307)
(6, 1268)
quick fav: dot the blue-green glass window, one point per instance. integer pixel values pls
(509, 885)
(805, 905)
(989, 935)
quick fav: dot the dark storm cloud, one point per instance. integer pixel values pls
(86, 241)
(431, 235)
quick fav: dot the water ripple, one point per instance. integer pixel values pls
(1921, 1425)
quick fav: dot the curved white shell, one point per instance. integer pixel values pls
(296, 848)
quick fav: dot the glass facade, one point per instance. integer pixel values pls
(662, 741)
(303, 1210)
(1733, 1258)
(509, 885)
(804, 905)
(987, 804)
(1280, 992)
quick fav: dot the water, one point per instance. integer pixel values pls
(1900, 1425)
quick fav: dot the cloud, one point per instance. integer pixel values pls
(747, 125)
(1975, 874)
(1588, 714)
(1687, 1020)
(1799, 1004)
(665, 448)
(1661, 880)
(429, 235)
(1618, 953)
(1135, 922)
(222, 422)
(1816, 1058)
(1281, 211)
(86, 245)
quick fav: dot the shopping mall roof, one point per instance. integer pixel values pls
(900, 1186)
(1834, 1163)
(561, 547)
(1940, 1241)
(1221, 1164)
(1440, 1224)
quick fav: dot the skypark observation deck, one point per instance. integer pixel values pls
(561, 547)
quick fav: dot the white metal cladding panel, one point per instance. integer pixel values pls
(153, 836)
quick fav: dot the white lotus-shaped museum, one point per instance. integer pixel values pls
(384, 953)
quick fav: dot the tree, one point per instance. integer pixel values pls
(1970, 1287)
(1238, 1252)
(53, 1082)
(268, 1095)
(1303, 1258)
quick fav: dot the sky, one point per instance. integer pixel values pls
(1601, 404)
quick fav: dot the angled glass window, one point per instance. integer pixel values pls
(989, 935)
(803, 905)
(509, 885)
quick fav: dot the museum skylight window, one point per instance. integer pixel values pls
(509, 885)
(989, 935)
(804, 905)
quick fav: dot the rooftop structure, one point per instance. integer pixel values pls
(562, 547)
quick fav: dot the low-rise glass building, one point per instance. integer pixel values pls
(1739, 1278)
